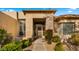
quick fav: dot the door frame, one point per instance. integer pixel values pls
(38, 30)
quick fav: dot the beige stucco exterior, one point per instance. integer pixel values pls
(21, 15)
(10, 24)
(11, 14)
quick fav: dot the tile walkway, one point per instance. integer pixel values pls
(39, 45)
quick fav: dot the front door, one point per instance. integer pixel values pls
(39, 30)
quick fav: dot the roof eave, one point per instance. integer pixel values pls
(39, 11)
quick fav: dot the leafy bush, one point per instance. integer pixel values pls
(8, 39)
(13, 46)
(48, 36)
(3, 34)
(30, 41)
(56, 39)
(59, 47)
(26, 43)
(5, 37)
(74, 39)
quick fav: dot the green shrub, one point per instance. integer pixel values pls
(3, 34)
(8, 39)
(5, 37)
(13, 46)
(26, 43)
(30, 41)
(56, 39)
(74, 39)
(59, 47)
(48, 36)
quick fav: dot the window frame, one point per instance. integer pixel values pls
(20, 24)
(68, 23)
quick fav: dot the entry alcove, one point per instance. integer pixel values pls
(38, 26)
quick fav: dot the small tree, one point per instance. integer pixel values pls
(48, 35)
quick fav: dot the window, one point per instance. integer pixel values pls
(68, 28)
(22, 27)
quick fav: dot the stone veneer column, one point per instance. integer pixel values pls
(49, 22)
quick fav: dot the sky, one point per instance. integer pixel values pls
(59, 11)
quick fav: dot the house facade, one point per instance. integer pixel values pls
(28, 24)
(67, 24)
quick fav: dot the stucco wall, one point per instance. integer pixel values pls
(21, 15)
(11, 14)
(9, 23)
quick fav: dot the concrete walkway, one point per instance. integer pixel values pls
(39, 45)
